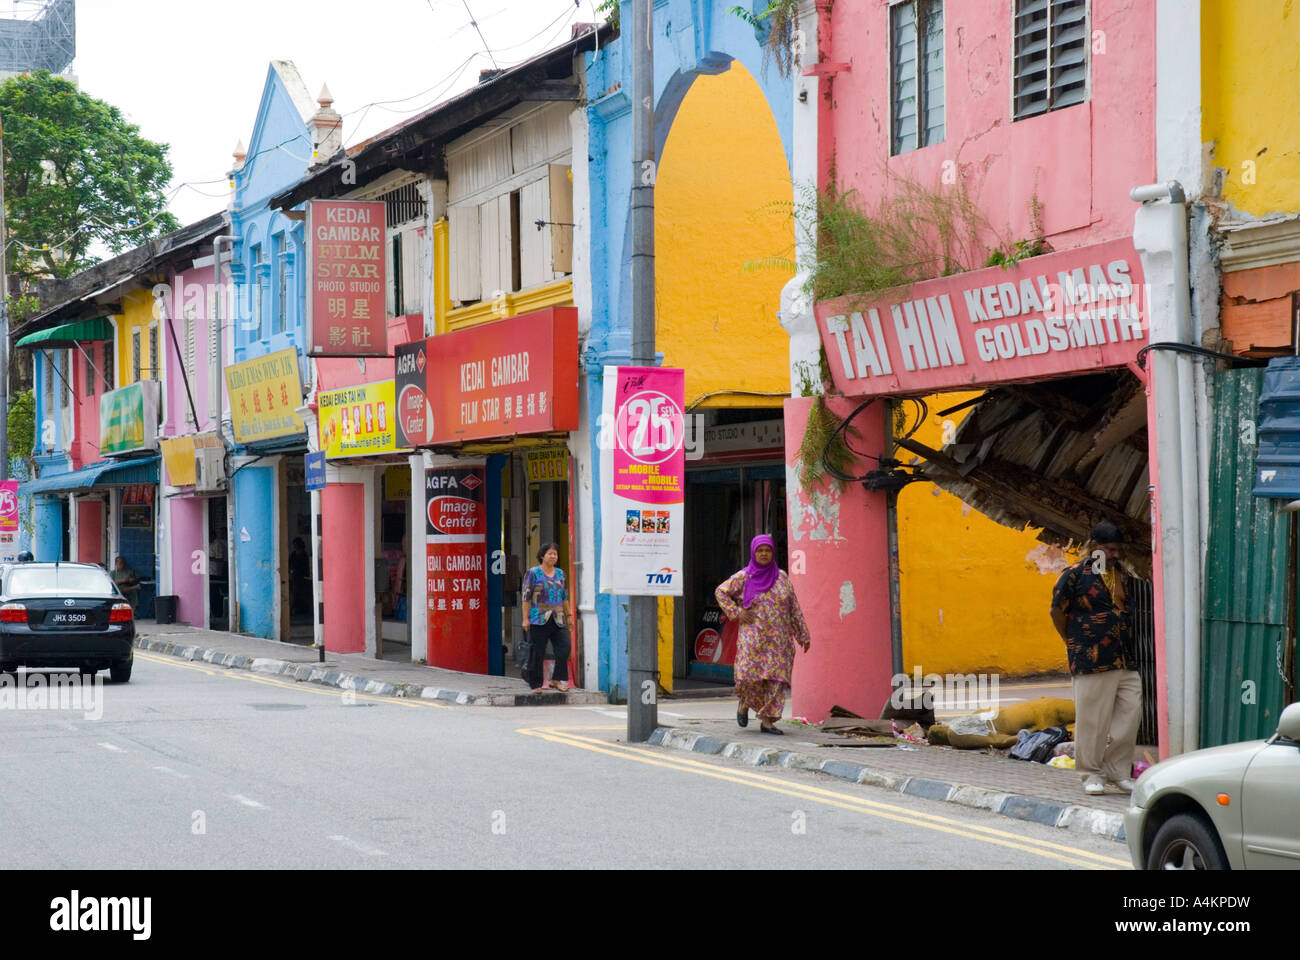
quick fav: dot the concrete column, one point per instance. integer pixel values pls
(417, 591)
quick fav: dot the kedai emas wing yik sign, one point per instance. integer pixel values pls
(1052, 315)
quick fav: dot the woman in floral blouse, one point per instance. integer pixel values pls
(762, 598)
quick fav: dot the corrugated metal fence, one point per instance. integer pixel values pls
(1248, 583)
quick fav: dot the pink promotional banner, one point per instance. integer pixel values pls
(1052, 315)
(9, 506)
(643, 481)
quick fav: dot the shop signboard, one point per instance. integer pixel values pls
(128, 419)
(1053, 315)
(265, 394)
(397, 483)
(643, 481)
(178, 457)
(347, 283)
(509, 378)
(456, 567)
(358, 421)
(547, 466)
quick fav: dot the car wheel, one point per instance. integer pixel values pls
(1187, 842)
(120, 672)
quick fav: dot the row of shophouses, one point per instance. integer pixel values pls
(1111, 366)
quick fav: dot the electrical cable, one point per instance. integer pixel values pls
(826, 464)
(1198, 352)
(480, 32)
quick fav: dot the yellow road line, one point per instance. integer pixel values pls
(1044, 848)
(297, 686)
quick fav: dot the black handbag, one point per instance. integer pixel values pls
(1037, 745)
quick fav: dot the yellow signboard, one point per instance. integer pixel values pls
(546, 466)
(359, 421)
(397, 483)
(265, 395)
(178, 454)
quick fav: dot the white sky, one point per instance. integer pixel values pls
(190, 74)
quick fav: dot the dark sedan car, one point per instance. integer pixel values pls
(65, 615)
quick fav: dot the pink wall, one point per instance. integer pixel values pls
(840, 570)
(193, 289)
(90, 531)
(88, 390)
(343, 511)
(188, 534)
(1082, 159)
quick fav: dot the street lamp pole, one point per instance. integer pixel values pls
(643, 612)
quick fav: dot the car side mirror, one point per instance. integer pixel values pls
(1288, 727)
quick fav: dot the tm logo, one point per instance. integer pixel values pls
(664, 575)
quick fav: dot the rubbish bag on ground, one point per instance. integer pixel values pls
(1037, 746)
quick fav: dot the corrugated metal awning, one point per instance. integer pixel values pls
(107, 473)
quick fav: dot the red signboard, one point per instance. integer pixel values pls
(347, 283)
(1052, 315)
(512, 377)
(456, 568)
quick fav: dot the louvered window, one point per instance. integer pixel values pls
(1051, 55)
(916, 65)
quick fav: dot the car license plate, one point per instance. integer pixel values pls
(70, 618)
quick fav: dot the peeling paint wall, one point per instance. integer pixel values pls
(840, 570)
(975, 594)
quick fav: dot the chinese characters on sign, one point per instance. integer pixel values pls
(265, 395)
(456, 568)
(547, 466)
(643, 481)
(358, 421)
(347, 313)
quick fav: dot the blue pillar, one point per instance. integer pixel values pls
(47, 529)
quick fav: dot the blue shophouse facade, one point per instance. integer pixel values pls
(693, 38)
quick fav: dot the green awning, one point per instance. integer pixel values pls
(68, 335)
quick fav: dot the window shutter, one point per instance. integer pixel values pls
(534, 243)
(214, 354)
(561, 190)
(932, 73)
(463, 223)
(1051, 55)
(903, 62)
(412, 270)
(190, 367)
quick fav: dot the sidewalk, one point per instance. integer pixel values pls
(988, 780)
(348, 671)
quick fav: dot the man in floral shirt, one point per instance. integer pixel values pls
(1089, 611)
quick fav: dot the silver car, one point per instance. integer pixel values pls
(1231, 807)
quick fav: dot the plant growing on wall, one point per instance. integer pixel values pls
(781, 20)
(1008, 256)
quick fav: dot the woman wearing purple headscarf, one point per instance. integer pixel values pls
(762, 598)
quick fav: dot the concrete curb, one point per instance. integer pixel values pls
(1049, 813)
(316, 673)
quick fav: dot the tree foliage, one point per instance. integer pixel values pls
(78, 177)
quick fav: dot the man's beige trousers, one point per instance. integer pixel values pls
(1107, 707)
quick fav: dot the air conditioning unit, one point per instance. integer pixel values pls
(210, 469)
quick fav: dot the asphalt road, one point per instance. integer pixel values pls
(195, 766)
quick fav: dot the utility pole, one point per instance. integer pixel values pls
(4, 324)
(643, 612)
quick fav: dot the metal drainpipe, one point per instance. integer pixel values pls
(1179, 493)
(232, 536)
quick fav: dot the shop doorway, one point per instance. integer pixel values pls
(392, 563)
(218, 564)
(296, 589)
(536, 510)
(725, 510)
